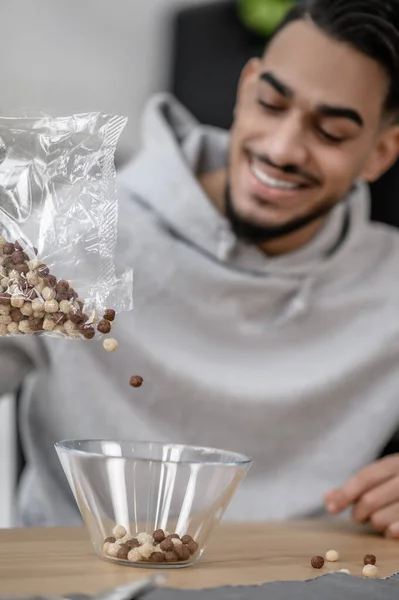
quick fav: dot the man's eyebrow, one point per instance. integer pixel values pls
(341, 112)
(338, 112)
(278, 85)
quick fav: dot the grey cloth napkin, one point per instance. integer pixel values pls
(335, 586)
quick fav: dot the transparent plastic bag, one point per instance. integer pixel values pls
(58, 225)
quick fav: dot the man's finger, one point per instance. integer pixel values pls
(393, 530)
(368, 478)
(384, 520)
(377, 499)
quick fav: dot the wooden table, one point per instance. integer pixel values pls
(61, 561)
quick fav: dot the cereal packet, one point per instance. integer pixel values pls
(58, 226)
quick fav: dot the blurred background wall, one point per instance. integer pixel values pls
(84, 55)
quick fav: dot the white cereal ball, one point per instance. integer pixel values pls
(37, 305)
(48, 325)
(110, 345)
(145, 538)
(32, 278)
(38, 314)
(65, 306)
(27, 309)
(69, 326)
(4, 282)
(106, 547)
(14, 274)
(177, 542)
(51, 306)
(119, 531)
(134, 555)
(3, 329)
(332, 556)
(5, 319)
(146, 550)
(59, 328)
(370, 571)
(24, 326)
(39, 287)
(13, 328)
(167, 534)
(93, 317)
(5, 310)
(113, 550)
(17, 302)
(3, 241)
(346, 571)
(48, 293)
(33, 263)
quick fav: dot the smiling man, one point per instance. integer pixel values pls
(267, 303)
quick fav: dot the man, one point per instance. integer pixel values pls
(266, 302)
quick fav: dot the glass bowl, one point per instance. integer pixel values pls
(127, 491)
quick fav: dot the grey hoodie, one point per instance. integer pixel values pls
(292, 360)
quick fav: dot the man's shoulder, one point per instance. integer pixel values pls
(380, 249)
(384, 235)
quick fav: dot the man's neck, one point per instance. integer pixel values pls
(214, 185)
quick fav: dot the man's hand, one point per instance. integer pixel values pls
(374, 495)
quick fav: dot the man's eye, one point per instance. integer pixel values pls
(271, 107)
(331, 138)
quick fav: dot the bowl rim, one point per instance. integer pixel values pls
(240, 459)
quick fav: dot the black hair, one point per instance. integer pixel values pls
(369, 26)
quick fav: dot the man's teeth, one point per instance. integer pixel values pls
(274, 183)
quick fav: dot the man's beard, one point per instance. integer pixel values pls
(257, 234)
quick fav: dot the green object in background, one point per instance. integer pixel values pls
(263, 16)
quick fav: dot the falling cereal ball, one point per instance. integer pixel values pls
(370, 571)
(332, 556)
(110, 345)
(369, 559)
(317, 562)
(346, 571)
(136, 381)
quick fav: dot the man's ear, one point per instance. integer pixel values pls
(384, 155)
(248, 73)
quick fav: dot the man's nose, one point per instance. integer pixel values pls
(286, 145)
